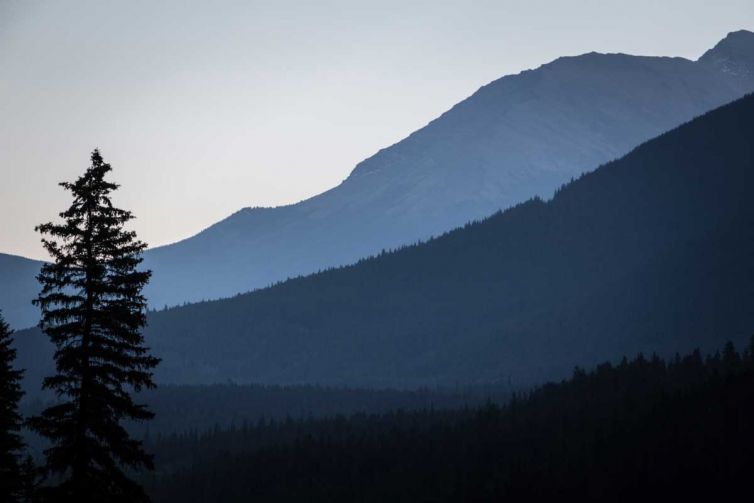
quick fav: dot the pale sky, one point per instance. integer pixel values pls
(206, 107)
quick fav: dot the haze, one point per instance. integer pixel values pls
(207, 107)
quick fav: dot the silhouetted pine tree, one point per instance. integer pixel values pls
(10, 441)
(93, 311)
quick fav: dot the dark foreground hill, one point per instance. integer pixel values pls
(652, 252)
(642, 429)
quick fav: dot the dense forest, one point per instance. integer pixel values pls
(645, 427)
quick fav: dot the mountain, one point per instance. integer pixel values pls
(519, 136)
(18, 287)
(652, 252)
(734, 56)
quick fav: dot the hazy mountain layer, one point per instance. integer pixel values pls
(18, 286)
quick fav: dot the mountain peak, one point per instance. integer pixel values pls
(734, 54)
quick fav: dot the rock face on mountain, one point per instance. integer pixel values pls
(519, 136)
(734, 55)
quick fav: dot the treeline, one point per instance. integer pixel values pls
(641, 428)
(184, 409)
(199, 408)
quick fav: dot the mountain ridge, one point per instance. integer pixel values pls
(516, 137)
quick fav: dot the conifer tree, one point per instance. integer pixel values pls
(93, 311)
(10, 421)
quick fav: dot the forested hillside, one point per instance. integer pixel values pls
(652, 252)
(642, 428)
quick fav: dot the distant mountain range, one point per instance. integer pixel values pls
(18, 286)
(519, 136)
(652, 252)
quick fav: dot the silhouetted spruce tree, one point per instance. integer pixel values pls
(93, 311)
(10, 421)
